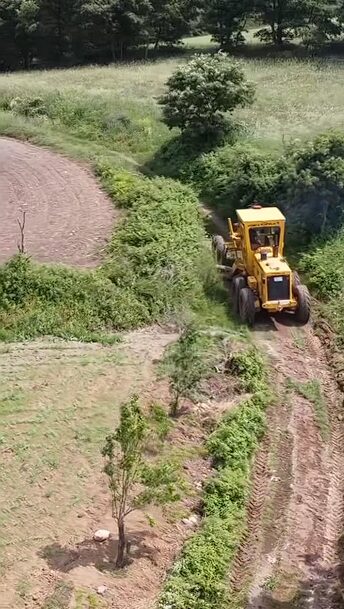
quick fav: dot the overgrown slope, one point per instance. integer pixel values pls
(158, 264)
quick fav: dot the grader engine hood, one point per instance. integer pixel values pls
(277, 276)
(273, 266)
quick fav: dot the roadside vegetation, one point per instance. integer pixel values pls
(199, 578)
(152, 270)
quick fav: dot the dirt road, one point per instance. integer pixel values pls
(292, 556)
(68, 218)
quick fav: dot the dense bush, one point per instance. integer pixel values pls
(157, 264)
(311, 187)
(200, 93)
(199, 577)
(324, 269)
(55, 300)
(159, 251)
(249, 367)
(234, 176)
(306, 182)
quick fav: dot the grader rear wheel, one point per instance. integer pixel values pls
(296, 279)
(219, 248)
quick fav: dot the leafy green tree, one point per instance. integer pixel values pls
(201, 93)
(134, 482)
(284, 19)
(325, 23)
(57, 19)
(18, 26)
(311, 187)
(187, 363)
(121, 22)
(226, 20)
(170, 19)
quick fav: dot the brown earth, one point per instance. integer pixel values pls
(292, 556)
(58, 400)
(68, 217)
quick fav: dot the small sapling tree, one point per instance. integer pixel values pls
(187, 364)
(134, 483)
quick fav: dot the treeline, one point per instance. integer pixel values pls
(56, 32)
(60, 31)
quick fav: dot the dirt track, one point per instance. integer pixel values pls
(68, 218)
(292, 556)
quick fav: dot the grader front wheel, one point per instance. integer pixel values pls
(247, 310)
(303, 297)
(238, 283)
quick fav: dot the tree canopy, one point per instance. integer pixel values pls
(56, 32)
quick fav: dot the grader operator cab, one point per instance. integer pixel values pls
(254, 258)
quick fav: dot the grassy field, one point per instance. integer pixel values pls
(57, 403)
(115, 107)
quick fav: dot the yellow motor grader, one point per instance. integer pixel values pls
(254, 259)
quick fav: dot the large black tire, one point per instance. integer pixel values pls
(238, 283)
(296, 280)
(247, 309)
(219, 248)
(303, 297)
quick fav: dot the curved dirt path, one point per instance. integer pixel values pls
(68, 217)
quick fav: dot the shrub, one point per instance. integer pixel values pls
(159, 250)
(311, 188)
(34, 106)
(55, 300)
(234, 176)
(200, 93)
(249, 367)
(187, 363)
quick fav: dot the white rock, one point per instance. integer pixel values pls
(101, 535)
(101, 590)
(192, 521)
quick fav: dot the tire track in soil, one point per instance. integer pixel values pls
(260, 479)
(69, 219)
(296, 547)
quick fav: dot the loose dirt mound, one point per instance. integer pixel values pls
(68, 217)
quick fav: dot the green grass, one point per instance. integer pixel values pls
(272, 583)
(295, 99)
(51, 445)
(312, 391)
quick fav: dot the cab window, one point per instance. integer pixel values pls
(266, 236)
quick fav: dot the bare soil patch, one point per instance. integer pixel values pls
(58, 400)
(68, 217)
(292, 557)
